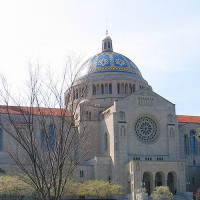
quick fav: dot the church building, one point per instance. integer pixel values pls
(139, 140)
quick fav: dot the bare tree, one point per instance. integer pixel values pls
(44, 140)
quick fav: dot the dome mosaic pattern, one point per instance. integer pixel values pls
(110, 62)
(146, 129)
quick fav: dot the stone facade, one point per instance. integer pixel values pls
(140, 142)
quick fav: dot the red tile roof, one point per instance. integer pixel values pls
(18, 110)
(188, 119)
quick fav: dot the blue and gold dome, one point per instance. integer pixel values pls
(109, 62)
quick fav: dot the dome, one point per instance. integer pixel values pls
(109, 62)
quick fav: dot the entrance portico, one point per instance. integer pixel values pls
(151, 174)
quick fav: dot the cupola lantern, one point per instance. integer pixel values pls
(107, 43)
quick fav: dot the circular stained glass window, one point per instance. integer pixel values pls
(146, 129)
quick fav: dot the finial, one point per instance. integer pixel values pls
(107, 32)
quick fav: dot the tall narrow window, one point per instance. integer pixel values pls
(123, 131)
(126, 88)
(106, 141)
(108, 44)
(52, 136)
(1, 140)
(133, 88)
(118, 88)
(185, 145)
(192, 143)
(110, 88)
(94, 90)
(42, 139)
(102, 89)
(105, 47)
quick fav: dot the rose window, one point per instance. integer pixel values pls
(146, 129)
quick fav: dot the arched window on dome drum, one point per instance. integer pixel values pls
(110, 88)
(122, 88)
(1, 139)
(185, 144)
(118, 88)
(126, 88)
(106, 88)
(133, 87)
(52, 136)
(42, 139)
(98, 90)
(130, 89)
(192, 143)
(94, 90)
(102, 89)
(108, 44)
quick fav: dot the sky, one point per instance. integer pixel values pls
(161, 37)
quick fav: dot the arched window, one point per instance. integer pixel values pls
(106, 88)
(110, 88)
(106, 141)
(123, 131)
(118, 88)
(108, 44)
(130, 89)
(1, 139)
(52, 136)
(94, 90)
(185, 144)
(133, 88)
(126, 88)
(102, 89)
(192, 143)
(122, 88)
(42, 139)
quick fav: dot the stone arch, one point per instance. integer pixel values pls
(172, 181)
(159, 179)
(148, 181)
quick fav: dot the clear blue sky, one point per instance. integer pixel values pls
(161, 37)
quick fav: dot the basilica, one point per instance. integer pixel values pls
(139, 140)
(141, 143)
